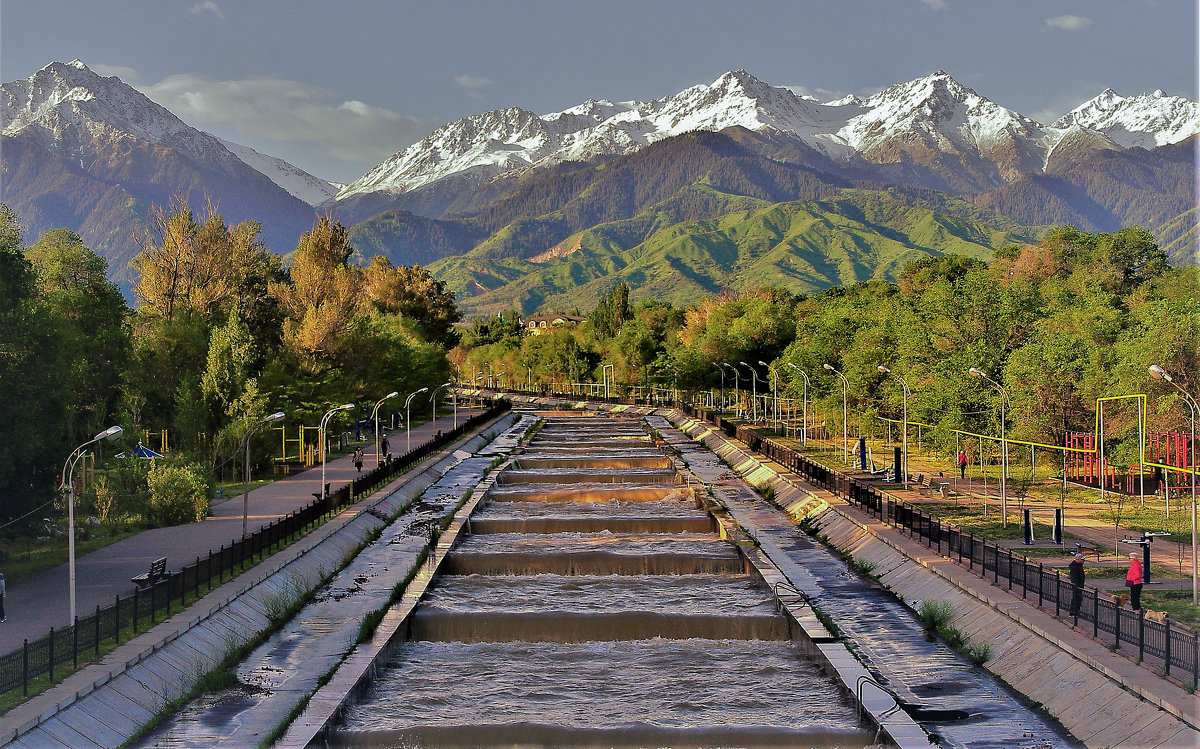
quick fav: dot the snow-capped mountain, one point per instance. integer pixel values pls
(93, 154)
(1142, 121)
(941, 132)
(64, 106)
(301, 184)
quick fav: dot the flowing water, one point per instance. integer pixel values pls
(595, 604)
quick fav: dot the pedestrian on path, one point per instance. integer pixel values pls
(962, 464)
(386, 449)
(1133, 580)
(1076, 572)
(358, 458)
(2, 594)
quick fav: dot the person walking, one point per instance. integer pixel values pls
(3, 592)
(1133, 580)
(1076, 573)
(358, 458)
(962, 464)
(385, 448)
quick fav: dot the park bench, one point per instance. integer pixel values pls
(319, 495)
(157, 571)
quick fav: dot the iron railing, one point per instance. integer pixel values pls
(1171, 646)
(88, 635)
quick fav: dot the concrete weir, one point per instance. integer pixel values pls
(566, 611)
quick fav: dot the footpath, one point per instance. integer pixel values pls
(36, 604)
(1078, 517)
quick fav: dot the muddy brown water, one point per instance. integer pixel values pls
(583, 611)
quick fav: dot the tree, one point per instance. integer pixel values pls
(33, 408)
(411, 292)
(322, 302)
(92, 316)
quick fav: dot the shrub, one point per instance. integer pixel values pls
(178, 493)
(935, 615)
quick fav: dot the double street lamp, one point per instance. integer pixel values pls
(324, 441)
(753, 392)
(845, 421)
(737, 388)
(804, 433)
(246, 487)
(774, 389)
(433, 399)
(904, 461)
(375, 418)
(977, 372)
(1161, 374)
(68, 481)
(408, 419)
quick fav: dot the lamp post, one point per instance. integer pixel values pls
(604, 373)
(408, 419)
(675, 380)
(246, 487)
(753, 392)
(322, 432)
(804, 433)
(498, 376)
(977, 372)
(375, 419)
(721, 370)
(845, 428)
(433, 398)
(68, 480)
(1161, 374)
(774, 390)
(903, 384)
(737, 388)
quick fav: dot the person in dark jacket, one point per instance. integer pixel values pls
(1076, 572)
(1134, 580)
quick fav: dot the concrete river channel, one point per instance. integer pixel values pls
(597, 590)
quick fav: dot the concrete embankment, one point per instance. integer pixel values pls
(1100, 697)
(107, 703)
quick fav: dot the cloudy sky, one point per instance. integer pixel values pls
(336, 87)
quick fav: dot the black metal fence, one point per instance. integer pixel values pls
(103, 629)
(1175, 648)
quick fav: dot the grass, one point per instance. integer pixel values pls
(1177, 604)
(1135, 518)
(935, 614)
(30, 557)
(970, 518)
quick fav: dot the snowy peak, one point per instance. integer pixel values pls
(1142, 121)
(299, 183)
(65, 105)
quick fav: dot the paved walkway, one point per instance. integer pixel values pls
(36, 604)
(1078, 520)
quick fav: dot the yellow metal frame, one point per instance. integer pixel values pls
(1141, 435)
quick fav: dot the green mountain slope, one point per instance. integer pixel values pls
(803, 246)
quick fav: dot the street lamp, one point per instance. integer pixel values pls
(375, 418)
(845, 429)
(1161, 374)
(498, 375)
(977, 372)
(804, 434)
(721, 407)
(904, 384)
(737, 388)
(322, 433)
(433, 399)
(246, 488)
(774, 389)
(408, 420)
(753, 392)
(68, 480)
(604, 373)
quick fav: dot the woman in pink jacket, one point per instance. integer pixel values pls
(1133, 579)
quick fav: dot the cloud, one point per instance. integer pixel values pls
(207, 6)
(936, 4)
(472, 81)
(128, 75)
(1068, 23)
(287, 111)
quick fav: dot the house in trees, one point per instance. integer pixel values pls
(537, 324)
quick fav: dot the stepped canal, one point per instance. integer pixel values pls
(596, 602)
